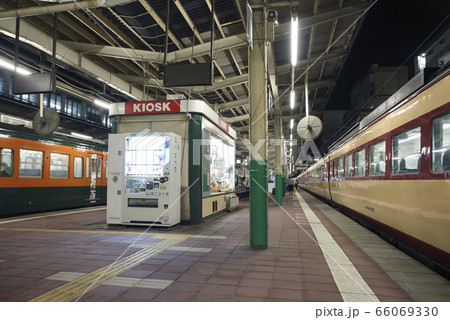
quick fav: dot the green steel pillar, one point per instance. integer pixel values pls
(195, 171)
(278, 158)
(278, 189)
(258, 130)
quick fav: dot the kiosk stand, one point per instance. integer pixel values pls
(205, 163)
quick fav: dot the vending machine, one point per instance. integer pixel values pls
(144, 179)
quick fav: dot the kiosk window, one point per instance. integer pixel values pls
(377, 159)
(221, 165)
(441, 143)
(6, 161)
(78, 167)
(30, 163)
(360, 163)
(406, 151)
(59, 165)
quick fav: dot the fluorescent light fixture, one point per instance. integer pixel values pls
(294, 40)
(290, 137)
(292, 124)
(82, 136)
(101, 104)
(292, 99)
(10, 66)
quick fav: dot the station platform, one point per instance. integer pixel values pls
(315, 254)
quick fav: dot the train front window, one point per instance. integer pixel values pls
(406, 151)
(30, 163)
(377, 159)
(360, 163)
(59, 165)
(441, 143)
(6, 161)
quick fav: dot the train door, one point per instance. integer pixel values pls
(100, 176)
(96, 176)
(324, 178)
(330, 176)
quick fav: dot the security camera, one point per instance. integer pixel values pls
(272, 15)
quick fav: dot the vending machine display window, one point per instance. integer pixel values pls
(146, 155)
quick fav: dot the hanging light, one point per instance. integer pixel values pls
(292, 123)
(10, 66)
(294, 40)
(101, 104)
(292, 99)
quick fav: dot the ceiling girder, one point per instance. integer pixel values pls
(40, 40)
(284, 29)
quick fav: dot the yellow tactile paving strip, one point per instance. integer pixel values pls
(153, 234)
(78, 287)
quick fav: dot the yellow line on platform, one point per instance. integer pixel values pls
(80, 286)
(153, 234)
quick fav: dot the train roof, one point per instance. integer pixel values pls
(403, 94)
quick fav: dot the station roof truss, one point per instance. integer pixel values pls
(115, 51)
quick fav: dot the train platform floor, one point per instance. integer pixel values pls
(315, 254)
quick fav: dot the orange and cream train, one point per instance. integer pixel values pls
(392, 173)
(43, 173)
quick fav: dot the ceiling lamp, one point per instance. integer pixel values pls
(292, 99)
(101, 104)
(294, 40)
(10, 66)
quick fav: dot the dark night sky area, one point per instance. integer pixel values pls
(390, 33)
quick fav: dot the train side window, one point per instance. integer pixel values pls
(30, 163)
(6, 162)
(340, 167)
(88, 161)
(377, 159)
(78, 167)
(106, 169)
(59, 165)
(349, 165)
(406, 151)
(335, 169)
(360, 163)
(100, 167)
(441, 143)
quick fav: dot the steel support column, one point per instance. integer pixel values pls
(278, 161)
(258, 131)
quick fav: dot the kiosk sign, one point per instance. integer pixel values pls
(223, 124)
(152, 107)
